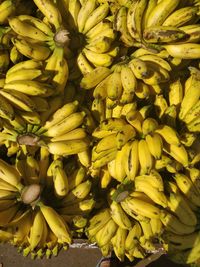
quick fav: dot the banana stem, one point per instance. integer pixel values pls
(31, 194)
(62, 37)
(28, 139)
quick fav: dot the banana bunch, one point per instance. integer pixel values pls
(92, 34)
(157, 25)
(26, 220)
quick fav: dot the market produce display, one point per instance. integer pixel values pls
(99, 127)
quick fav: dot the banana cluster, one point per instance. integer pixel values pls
(159, 25)
(41, 197)
(92, 33)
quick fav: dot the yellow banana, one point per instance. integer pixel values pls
(100, 73)
(118, 242)
(181, 16)
(56, 224)
(179, 206)
(131, 159)
(145, 157)
(187, 187)
(7, 8)
(50, 11)
(70, 147)
(169, 135)
(98, 59)
(179, 153)
(66, 125)
(104, 235)
(174, 225)
(119, 216)
(34, 51)
(25, 29)
(96, 16)
(133, 236)
(85, 11)
(136, 206)
(155, 145)
(184, 51)
(162, 10)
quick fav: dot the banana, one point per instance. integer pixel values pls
(192, 114)
(135, 118)
(105, 178)
(175, 93)
(169, 135)
(191, 96)
(156, 59)
(9, 174)
(57, 65)
(23, 74)
(6, 216)
(193, 32)
(76, 178)
(24, 65)
(106, 143)
(95, 17)
(139, 68)
(94, 77)
(125, 135)
(181, 16)
(33, 51)
(120, 24)
(56, 224)
(70, 147)
(77, 194)
(97, 222)
(85, 11)
(98, 59)
(163, 34)
(147, 231)
(120, 170)
(131, 159)
(136, 206)
(105, 234)
(25, 29)
(6, 109)
(179, 153)
(60, 180)
(162, 10)
(129, 84)
(187, 187)
(83, 64)
(179, 206)
(156, 226)
(73, 9)
(182, 242)
(133, 236)
(50, 11)
(66, 125)
(184, 51)
(152, 192)
(118, 242)
(138, 17)
(103, 28)
(60, 114)
(29, 87)
(104, 158)
(154, 179)
(36, 230)
(149, 125)
(174, 225)
(37, 23)
(155, 145)
(150, 6)
(119, 216)
(83, 208)
(7, 8)
(114, 86)
(145, 157)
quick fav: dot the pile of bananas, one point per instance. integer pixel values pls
(99, 127)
